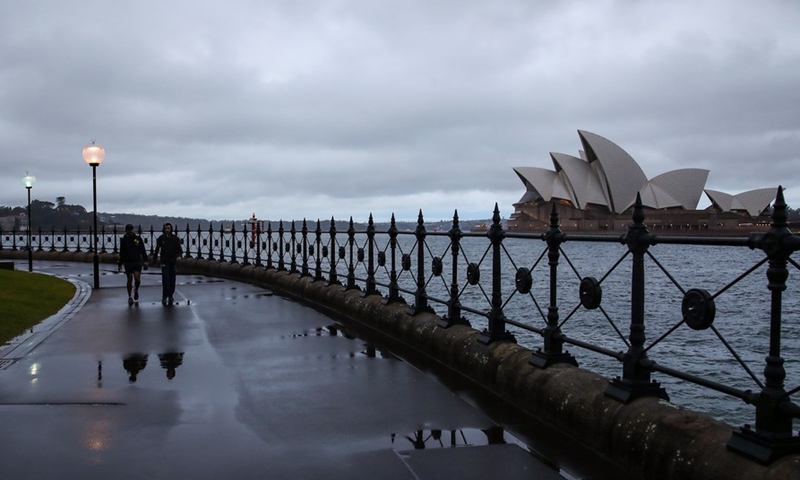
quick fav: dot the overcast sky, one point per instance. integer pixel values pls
(311, 109)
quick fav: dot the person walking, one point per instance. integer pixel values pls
(132, 256)
(169, 245)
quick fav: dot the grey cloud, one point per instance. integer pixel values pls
(350, 103)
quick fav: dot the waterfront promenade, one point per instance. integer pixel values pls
(232, 382)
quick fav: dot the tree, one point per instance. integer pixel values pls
(46, 215)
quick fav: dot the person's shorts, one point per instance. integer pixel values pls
(132, 267)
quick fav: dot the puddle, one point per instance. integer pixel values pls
(463, 437)
(329, 331)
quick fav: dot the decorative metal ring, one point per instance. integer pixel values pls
(311, 249)
(341, 253)
(473, 274)
(524, 280)
(698, 309)
(437, 267)
(325, 251)
(591, 293)
(406, 262)
(360, 255)
(382, 259)
(275, 245)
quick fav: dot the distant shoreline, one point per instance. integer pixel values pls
(739, 232)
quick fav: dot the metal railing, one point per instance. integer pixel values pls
(448, 271)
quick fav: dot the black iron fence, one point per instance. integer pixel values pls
(514, 285)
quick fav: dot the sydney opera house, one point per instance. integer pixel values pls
(597, 190)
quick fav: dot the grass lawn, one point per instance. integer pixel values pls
(28, 298)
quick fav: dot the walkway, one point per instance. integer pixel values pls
(231, 382)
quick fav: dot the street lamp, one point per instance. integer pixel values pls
(94, 155)
(28, 180)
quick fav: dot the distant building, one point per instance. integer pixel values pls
(12, 222)
(597, 190)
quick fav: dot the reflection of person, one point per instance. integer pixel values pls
(170, 361)
(132, 255)
(170, 247)
(133, 364)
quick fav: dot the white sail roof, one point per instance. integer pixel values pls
(620, 172)
(684, 185)
(605, 175)
(752, 201)
(538, 180)
(584, 186)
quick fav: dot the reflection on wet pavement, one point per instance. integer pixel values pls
(464, 437)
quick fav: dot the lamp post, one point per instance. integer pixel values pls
(94, 155)
(28, 180)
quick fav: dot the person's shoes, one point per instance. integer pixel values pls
(163, 301)
(170, 301)
(130, 301)
(136, 294)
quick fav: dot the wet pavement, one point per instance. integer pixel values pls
(230, 382)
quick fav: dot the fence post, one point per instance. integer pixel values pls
(318, 252)
(233, 243)
(184, 241)
(497, 320)
(188, 235)
(553, 339)
(351, 266)
(333, 258)
(246, 246)
(453, 316)
(394, 289)
(199, 254)
(304, 236)
(221, 256)
(77, 237)
(150, 239)
(281, 263)
(257, 242)
(635, 382)
(210, 241)
(420, 295)
(270, 246)
(371, 288)
(103, 239)
(293, 250)
(14, 238)
(772, 437)
(91, 248)
(64, 240)
(116, 241)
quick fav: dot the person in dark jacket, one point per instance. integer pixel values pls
(132, 256)
(169, 245)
